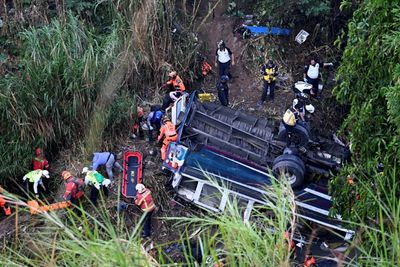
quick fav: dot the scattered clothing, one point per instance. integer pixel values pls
(109, 160)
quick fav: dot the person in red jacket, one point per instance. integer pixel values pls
(145, 201)
(3, 204)
(39, 161)
(168, 130)
(74, 189)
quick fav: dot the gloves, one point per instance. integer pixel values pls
(305, 80)
(151, 128)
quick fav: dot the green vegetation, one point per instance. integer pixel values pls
(71, 71)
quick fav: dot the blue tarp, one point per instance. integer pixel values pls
(263, 30)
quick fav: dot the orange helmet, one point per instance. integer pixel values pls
(38, 151)
(66, 175)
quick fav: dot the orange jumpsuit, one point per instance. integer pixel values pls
(177, 82)
(168, 129)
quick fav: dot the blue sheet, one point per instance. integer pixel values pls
(263, 30)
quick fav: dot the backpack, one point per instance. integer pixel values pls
(289, 118)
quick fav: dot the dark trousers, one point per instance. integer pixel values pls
(315, 83)
(223, 95)
(156, 127)
(147, 224)
(289, 134)
(94, 193)
(269, 89)
(76, 203)
(224, 69)
(139, 130)
(167, 101)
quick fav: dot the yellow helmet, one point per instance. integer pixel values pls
(66, 175)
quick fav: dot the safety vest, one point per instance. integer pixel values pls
(94, 177)
(145, 201)
(177, 82)
(269, 77)
(289, 118)
(168, 129)
(34, 176)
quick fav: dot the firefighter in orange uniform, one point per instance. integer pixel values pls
(3, 204)
(145, 201)
(39, 161)
(168, 129)
(175, 82)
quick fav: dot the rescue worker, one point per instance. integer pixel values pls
(154, 121)
(145, 201)
(170, 98)
(108, 159)
(223, 90)
(168, 130)
(269, 72)
(312, 75)
(174, 82)
(39, 162)
(74, 189)
(3, 203)
(98, 182)
(136, 128)
(290, 119)
(224, 58)
(35, 177)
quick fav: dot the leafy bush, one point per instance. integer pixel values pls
(369, 82)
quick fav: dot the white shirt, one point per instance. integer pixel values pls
(313, 71)
(223, 56)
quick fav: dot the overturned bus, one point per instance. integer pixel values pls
(241, 152)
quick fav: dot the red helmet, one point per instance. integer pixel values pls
(38, 151)
(66, 175)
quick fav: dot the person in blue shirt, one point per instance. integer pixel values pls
(108, 159)
(154, 120)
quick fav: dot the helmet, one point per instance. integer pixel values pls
(224, 78)
(38, 151)
(310, 108)
(45, 173)
(172, 74)
(85, 169)
(66, 175)
(106, 182)
(140, 188)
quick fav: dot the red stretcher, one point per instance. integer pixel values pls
(132, 173)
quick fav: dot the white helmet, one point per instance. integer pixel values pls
(85, 169)
(295, 102)
(140, 188)
(45, 173)
(106, 182)
(310, 108)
